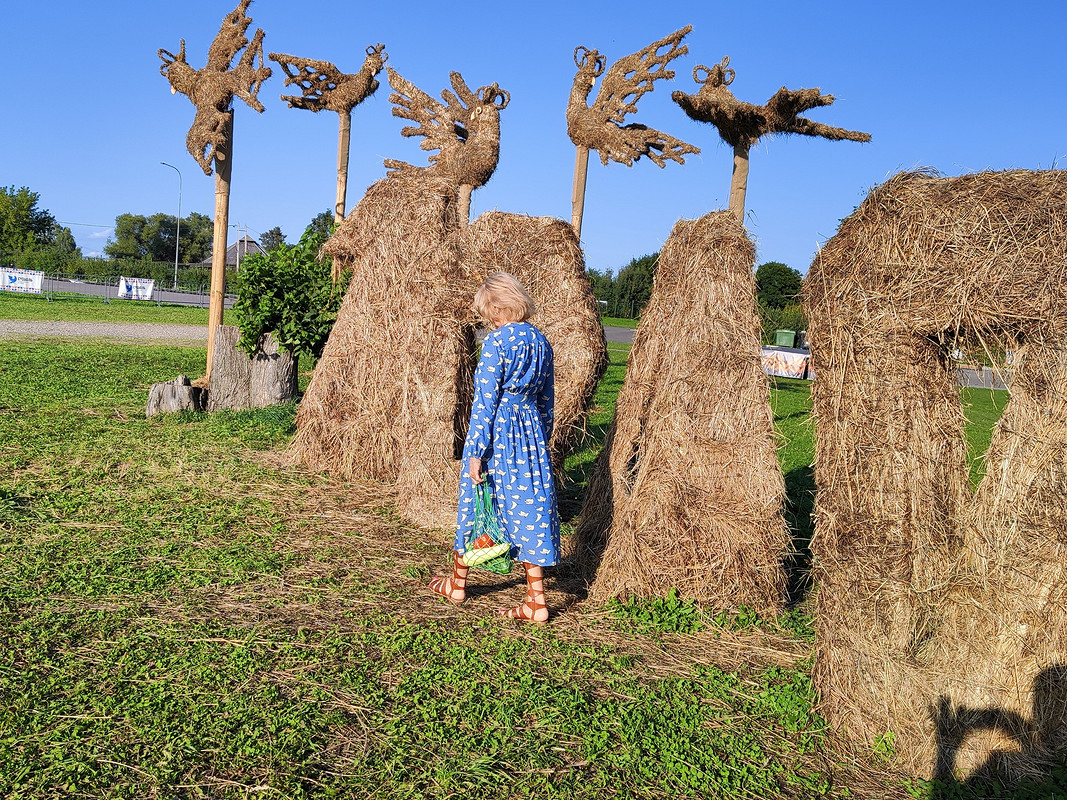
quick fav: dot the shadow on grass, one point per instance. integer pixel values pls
(800, 504)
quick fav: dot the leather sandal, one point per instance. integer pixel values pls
(533, 607)
(454, 587)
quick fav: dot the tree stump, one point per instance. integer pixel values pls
(175, 395)
(266, 378)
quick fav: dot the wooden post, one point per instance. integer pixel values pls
(223, 167)
(464, 201)
(581, 170)
(739, 181)
(343, 140)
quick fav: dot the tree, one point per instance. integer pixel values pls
(321, 225)
(603, 287)
(152, 238)
(777, 285)
(23, 226)
(633, 286)
(272, 239)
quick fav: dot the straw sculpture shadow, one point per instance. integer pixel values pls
(1035, 763)
(927, 590)
(324, 86)
(741, 125)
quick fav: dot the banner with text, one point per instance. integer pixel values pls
(27, 281)
(135, 288)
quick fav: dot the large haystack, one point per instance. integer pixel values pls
(543, 253)
(688, 493)
(942, 614)
(387, 376)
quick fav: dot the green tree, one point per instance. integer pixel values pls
(603, 284)
(272, 239)
(777, 285)
(321, 225)
(23, 226)
(152, 238)
(288, 292)
(633, 286)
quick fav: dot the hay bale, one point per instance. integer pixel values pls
(688, 493)
(544, 254)
(940, 612)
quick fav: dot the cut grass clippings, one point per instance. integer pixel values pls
(183, 615)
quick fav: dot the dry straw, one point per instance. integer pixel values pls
(212, 88)
(390, 398)
(942, 614)
(687, 493)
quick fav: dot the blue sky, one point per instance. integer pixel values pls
(955, 86)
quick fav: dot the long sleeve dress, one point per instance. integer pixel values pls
(510, 426)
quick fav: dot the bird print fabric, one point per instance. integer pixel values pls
(510, 425)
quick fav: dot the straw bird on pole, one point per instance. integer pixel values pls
(741, 125)
(465, 131)
(599, 126)
(324, 86)
(210, 139)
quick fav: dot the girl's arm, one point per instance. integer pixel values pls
(546, 400)
(488, 385)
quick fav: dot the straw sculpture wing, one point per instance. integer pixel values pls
(324, 86)
(464, 130)
(599, 127)
(743, 124)
(212, 88)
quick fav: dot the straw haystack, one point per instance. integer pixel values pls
(942, 614)
(688, 493)
(390, 398)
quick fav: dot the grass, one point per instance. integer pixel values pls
(181, 615)
(619, 322)
(78, 308)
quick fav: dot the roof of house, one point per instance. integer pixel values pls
(245, 246)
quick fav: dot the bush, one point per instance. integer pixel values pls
(288, 292)
(790, 317)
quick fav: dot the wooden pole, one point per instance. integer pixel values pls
(223, 167)
(739, 181)
(464, 209)
(344, 138)
(581, 171)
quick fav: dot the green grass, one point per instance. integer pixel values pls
(182, 616)
(619, 322)
(93, 309)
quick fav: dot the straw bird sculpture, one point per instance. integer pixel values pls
(212, 88)
(465, 131)
(324, 86)
(599, 126)
(741, 125)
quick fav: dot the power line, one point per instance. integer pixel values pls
(86, 224)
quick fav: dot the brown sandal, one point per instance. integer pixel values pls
(533, 607)
(454, 587)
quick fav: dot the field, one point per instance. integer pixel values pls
(182, 615)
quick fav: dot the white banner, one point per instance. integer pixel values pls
(135, 288)
(27, 281)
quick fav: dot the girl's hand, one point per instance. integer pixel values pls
(476, 471)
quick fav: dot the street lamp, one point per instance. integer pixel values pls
(178, 230)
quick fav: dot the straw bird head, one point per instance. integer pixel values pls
(719, 75)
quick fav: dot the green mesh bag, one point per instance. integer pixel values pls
(487, 547)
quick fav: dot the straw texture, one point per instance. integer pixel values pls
(687, 492)
(942, 614)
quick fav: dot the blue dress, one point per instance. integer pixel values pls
(511, 422)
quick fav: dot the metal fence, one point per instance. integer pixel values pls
(58, 285)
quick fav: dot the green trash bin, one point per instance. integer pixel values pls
(783, 338)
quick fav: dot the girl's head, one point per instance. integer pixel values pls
(502, 299)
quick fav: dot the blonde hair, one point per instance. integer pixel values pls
(503, 299)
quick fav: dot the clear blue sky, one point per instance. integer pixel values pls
(956, 86)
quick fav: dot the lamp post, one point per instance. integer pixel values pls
(178, 230)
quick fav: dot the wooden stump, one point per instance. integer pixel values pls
(175, 395)
(238, 380)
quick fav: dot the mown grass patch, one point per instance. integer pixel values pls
(76, 308)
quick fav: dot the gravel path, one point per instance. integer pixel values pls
(115, 331)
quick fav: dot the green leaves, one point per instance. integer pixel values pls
(288, 292)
